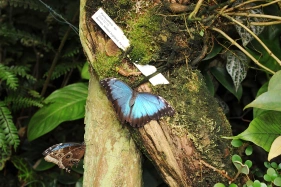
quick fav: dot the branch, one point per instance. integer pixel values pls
(242, 49)
(255, 36)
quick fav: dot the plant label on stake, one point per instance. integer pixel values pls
(118, 37)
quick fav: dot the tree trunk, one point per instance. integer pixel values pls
(184, 147)
(111, 159)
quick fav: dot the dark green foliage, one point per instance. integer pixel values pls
(26, 173)
(8, 131)
(30, 35)
(7, 76)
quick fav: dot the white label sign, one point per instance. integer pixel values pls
(111, 29)
(148, 70)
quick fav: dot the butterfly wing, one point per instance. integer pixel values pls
(120, 94)
(149, 107)
(65, 155)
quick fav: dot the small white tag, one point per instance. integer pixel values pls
(111, 29)
(148, 70)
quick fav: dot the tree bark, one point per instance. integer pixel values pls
(111, 159)
(182, 147)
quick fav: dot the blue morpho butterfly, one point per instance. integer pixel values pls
(65, 155)
(137, 108)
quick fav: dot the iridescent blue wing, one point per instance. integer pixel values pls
(137, 108)
(120, 94)
(149, 107)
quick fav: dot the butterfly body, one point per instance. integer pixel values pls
(137, 108)
(65, 155)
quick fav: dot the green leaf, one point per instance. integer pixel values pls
(277, 181)
(256, 29)
(249, 150)
(65, 104)
(215, 50)
(274, 82)
(8, 128)
(267, 177)
(248, 163)
(236, 143)
(219, 185)
(270, 100)
(223, 77)
(42, 165)
(85, 74)
(9, 77)
(241, 167)
(271, 171)
(236, 66)
(257, 183)
(263, 130)
(236, 158)
(263, 89)
(270, 37)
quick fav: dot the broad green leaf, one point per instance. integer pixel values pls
(263, 89)
(274, 82)
(263, 130)
(65, 104)
(236, 66)
(270, 100)
(85, 74)
(275, 149)
(42, 165)
(223, 77)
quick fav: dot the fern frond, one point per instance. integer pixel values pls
(35, 94)
(8, 127)
(31, 4)
(8, 76)
(3, 144)
(63, 68)
(25, 172)
(22, 71)
(4, 156)
(72, 52)
(26, 38)
(20, 102)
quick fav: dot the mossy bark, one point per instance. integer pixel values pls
(177, 145)
(111, 159)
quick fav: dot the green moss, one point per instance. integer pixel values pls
(143, 34)
(198, 114)
(105, 65)
(123, 8)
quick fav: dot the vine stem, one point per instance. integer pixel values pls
(243, 4)
(196, 9)
(242, 49)
(253, 7)
(253, 15)
(255, 36)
